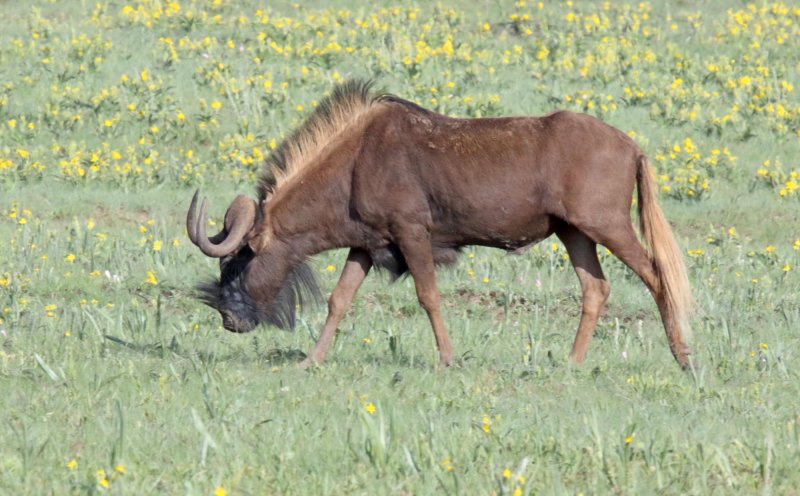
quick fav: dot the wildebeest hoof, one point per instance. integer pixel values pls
(309, 362)
(445, 363)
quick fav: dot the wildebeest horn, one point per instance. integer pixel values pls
(238, 220)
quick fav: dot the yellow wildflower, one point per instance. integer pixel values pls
(101, 478)
(486, 424)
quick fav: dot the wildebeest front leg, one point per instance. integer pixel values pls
(415, 243)
(355, 271)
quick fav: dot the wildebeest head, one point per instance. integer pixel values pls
(255, 286)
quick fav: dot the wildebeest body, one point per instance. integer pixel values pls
(465, 183)
(405, 188)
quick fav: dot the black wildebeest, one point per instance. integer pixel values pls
(405, 188)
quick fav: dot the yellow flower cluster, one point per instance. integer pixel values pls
(211, 99)
(685, 171)
(510, 479)
(772, 174)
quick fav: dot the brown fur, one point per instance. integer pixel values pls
(405, 188)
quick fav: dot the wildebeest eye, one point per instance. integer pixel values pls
(232, 266)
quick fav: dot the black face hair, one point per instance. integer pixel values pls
(243, 313)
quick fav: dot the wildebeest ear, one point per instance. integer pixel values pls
(257, 238)
(262, 207)
(241, 207)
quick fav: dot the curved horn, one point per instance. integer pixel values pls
(191, 220)
(238, 220)
(191, 223)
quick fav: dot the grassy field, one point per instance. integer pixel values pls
(115, 379)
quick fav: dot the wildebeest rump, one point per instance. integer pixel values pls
(406, 188)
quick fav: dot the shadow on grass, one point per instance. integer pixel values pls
(275, 356)
(281, 356)
(153, 349)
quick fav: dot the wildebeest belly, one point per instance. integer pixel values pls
(448, 240)
(495, 229)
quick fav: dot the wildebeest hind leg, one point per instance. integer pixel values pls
(355, 271)
(583, 255)
(415, 243)
(624, 245)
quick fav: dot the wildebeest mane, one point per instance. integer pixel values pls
(388, 97)
(333, 114)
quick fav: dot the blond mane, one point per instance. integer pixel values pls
(347, 102)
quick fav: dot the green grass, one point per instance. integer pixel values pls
(101, 370)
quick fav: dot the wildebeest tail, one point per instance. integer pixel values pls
(664, 251)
